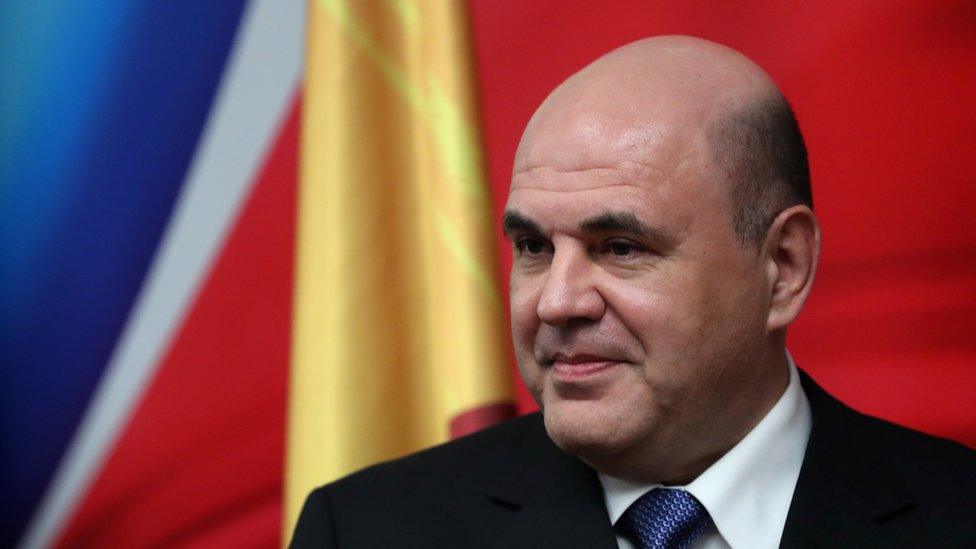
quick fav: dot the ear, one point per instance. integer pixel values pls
(791, 252)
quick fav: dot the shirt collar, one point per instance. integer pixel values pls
(747, 491)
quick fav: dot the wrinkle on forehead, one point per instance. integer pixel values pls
(576, 178)
(624, 167)
(563, 187)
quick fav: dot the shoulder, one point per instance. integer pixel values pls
(867, 479)
(470, 458)
(910, 452)
(929, 464)
(431, 495)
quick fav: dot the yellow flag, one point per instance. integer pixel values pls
(399, 338)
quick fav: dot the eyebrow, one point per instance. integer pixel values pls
(514, 221)
(619, 222)
(626, 222)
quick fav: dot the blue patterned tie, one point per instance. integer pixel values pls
(664, 518)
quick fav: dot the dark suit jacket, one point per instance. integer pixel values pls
(863, 483)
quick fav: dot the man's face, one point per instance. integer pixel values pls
(637, 317)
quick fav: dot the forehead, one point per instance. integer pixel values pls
(611, 144)
(562, 201)
(581, 137)
(664, 182)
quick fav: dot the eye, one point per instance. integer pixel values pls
(622, 249)
(531, 246)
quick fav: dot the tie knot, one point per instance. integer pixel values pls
(664, 518)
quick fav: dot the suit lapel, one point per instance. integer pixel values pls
(551, 499)
(846, 489)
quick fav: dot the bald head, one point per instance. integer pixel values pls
(666, 98)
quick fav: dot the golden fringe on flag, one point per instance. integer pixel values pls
(398, 322)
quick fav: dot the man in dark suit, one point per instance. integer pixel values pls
(661, 217)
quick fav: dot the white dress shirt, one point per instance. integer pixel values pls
(747, 491)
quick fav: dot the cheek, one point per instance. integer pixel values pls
(523, 301)
(658, 311)
(706, 319)
(673, 318)
(525, 325)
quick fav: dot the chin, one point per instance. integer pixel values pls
(583, 429)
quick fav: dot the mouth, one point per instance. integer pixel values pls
(579, 367)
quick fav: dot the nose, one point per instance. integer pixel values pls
(570, 292)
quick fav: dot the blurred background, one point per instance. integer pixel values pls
(157, 165)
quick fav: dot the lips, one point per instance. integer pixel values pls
(580, 366)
